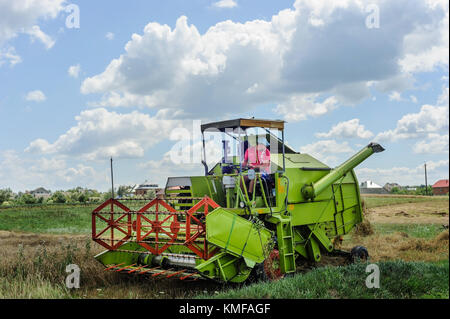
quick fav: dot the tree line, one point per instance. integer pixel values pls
(72, 196)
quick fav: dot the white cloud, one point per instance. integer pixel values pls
(183, 160)
(109, 36)
(433, 144)
(202, 74)
(36, 33)
(427, 47)
(74, 70)
(429, 120)
(35, 96)
(21, 17)
(347, 129)
(300, 107)
(327, 150)
(99, 134)
(225, 4)
(9, 55)
(22, 173)
(395, 96)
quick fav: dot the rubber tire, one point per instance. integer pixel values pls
(359, 253)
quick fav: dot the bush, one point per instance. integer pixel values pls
(5, 195)
(26, 199)
(59, 197)
(83, 198)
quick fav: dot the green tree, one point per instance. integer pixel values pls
(123, 190)
(422, 190)
(5, 195)
(26, 199)
(59, 197)
(107, 195)
(83, 198)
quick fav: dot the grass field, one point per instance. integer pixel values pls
(53, 219)
(404, 236)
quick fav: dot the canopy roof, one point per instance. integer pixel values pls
(244, 124)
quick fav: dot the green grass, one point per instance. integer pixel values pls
(413, 230)
(58, 219)
(376, 201)
(398, 280)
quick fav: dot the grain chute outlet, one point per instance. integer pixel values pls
(261, 212)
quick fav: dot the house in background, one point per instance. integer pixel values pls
(369, 187)
(145, 188)
(389, 186)
(440, 187)
(40, 192)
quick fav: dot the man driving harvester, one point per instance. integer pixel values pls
(256, 157)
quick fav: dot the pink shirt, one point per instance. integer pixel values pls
(258, 156)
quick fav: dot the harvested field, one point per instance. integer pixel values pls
(432, 212)
(400, 245)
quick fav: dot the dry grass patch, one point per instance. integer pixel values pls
(400, 245)
(33, 266)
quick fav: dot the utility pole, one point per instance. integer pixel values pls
(426, 181)
(112, 179)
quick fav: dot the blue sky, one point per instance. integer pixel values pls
(134, 71)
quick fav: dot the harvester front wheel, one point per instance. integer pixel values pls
(269, 269)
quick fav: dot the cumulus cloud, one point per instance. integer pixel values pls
(427, 47)
(21, 17)
(326, 150)
(35, 96)
(225, 4)
(429, 120)
(235, 66)
(74, 70)
(184, 159)
(300, 107)
(22, 173)
(99, 134)
(433, 144)
(347, 129)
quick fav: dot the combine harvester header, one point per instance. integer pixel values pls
(259, 213)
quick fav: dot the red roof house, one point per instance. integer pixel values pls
(440, 187)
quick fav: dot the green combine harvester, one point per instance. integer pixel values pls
(260, 212)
